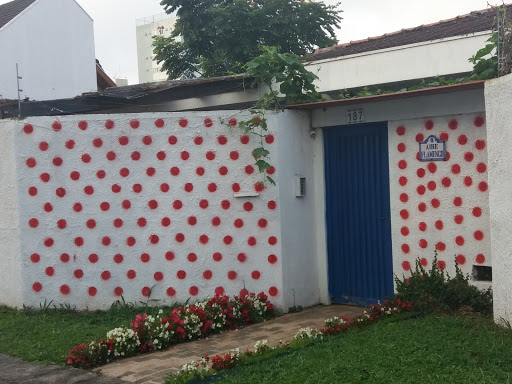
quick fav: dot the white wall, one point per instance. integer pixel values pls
(295, 158)
(498, 96)
(53, 42)
(11, 283)
(416, 61)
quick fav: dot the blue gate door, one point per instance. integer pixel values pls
(358, 213)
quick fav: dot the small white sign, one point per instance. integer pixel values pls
(356, 116)
(432, 149)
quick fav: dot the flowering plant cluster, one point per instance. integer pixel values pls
(189, 322)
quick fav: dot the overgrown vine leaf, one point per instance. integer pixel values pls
(271, 180)
(260, 152)
(262, 165)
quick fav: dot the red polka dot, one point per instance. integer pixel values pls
(480, 144)
(64, 257)
(104, 206)
(401, 147)
(118, 223)
(145, 257)
(118, 291)
(175, 171)
(468, 181)
(234, 155)
(145, 291)
(180, 237)
(435, 203)
(455, 169)
(33, 223)
(170, 292)
(111, 156)
(57, 161)
(439, 225)
(272, 240)
(154, 239)
(198, 140)
(78, 273)
(256, 275)
(203, 239)
(271, 170)
(431, 185)
(259, 186)
(441, 264)
(251, 241)
(77, 207)
(225, 204)
(217, 256)
(118, 258)
(457, 201)
(459, 240)
(453, 124)
(91, 223)
(208, 122)
(419, 137)
(50, 271)
(468, 156)
(424, 262)
(400, 130)
(45, 177)
(269, 139)
(100, 174)
(404, 231)
(194, 291)
(429, 124)
(86, 158)
(70, 144)
(432, 167)
(423, 243)
(192, 257)
(126, 204)
(79, 241)
(203, 204)
(477, 211)
(404, 214)
(183, 123)
(444, 136)
(172, 140)
(28, 129)
(422, 226)
(461, 259)
(458, 219)
(482, 186)
(32, 191)
(273, 291)
(166, 222)
(244, 139)
(402, 181)
(147, 140)
(35, 258)
(64, 289)
(61, 224)
(405, 248)
(480, 258)
(150, 171)
(462, 139)
(227, 240)
(92, 291)
(57, 126)
(239, 223)
(402, 164)
(97, 142)
(93, 258)
(232, 275)
(185, 155)
(481, 168)
(135, 124)
(446, 181)
(141, 222)
(37, 287)
(161, 155)
(48, 242)
(210, 155)
(207, 275)
(153, 204)
(181, 274)
(164, 187)
(478, 235)
(406, 265)
(404, 197)
(440, 246)
(130, 241)
(159, 123)
(422, 207)
(158, 276)
(43, 145)
(216, 221)
(109, 124)
(420, 172)
(272, 259)
(169, 256)
(223, 171)
(189, 187)
(31, 162)
(479, 121)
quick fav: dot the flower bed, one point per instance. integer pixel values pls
(210, 366)
(190, 322)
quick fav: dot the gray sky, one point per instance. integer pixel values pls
(114, 23)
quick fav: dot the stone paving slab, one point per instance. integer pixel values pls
(14, 370)
(152, 368)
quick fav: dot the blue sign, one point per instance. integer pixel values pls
(432, 149)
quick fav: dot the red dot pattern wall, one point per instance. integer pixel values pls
(441, 205)
(144, 206)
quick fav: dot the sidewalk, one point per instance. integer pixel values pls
(152, 368)
(14, 370)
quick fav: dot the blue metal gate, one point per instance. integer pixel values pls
(358, 213)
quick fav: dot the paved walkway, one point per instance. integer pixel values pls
(14, 370)
(152, 368)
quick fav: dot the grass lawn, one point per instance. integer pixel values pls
(423, 350)
(47, 335)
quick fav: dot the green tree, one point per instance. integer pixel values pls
(220, 36)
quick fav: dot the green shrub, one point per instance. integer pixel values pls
(434, 291)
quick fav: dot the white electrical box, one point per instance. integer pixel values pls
(300, 186)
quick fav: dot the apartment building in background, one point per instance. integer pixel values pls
(147, 27)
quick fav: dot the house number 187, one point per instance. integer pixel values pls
(355, 116)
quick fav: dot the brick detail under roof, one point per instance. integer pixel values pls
(474, 22)
(9, 11)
